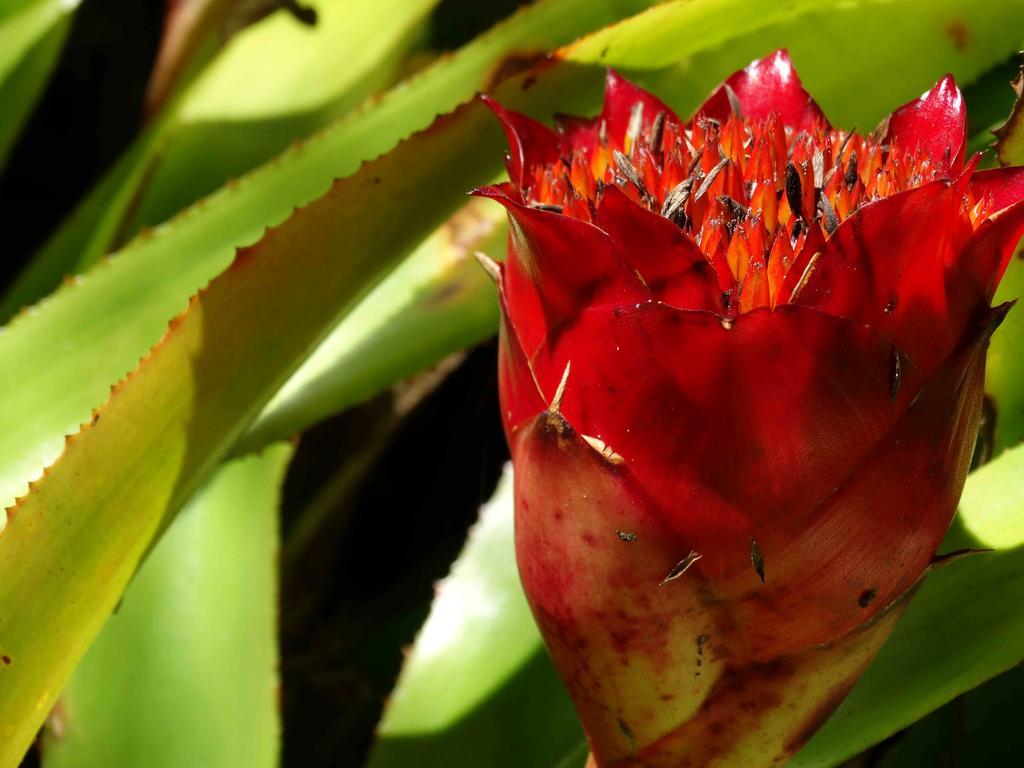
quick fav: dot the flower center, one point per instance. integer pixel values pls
(752, 194)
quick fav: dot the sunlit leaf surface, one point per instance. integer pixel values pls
(31, 35)
(185, 672)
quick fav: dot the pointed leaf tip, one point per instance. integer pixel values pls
(556, 401)
(490, 266)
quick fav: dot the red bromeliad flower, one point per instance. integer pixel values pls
(741, 372)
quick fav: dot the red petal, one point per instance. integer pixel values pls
(520, 397)
(988, 251)
(784, 429)
(579, 133)
(870, 540)
(655, 667)
(767, 85)
(1003, 186)
(530, 143)
(620, 98)
(729, 429)
(557, 266)
(595, 594)
(670, 262)
(935, 123)
(885, 267)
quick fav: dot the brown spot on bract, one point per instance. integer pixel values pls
(757, 559)
(682, 566)
(867, 597)
(6, 660)
(627, 732)
(959, 34)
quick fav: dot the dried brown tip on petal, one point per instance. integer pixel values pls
(657, 131)
(632, 175)
(895, 373)
(794, 190)
(818, 168)
(734, 101)
(682, 566)
(604, 449)
(882, 129)
(757, 559)
(850, 177)
(636, 121)
(828, 215)
(491, 267)
(302, 13)
(676, 198)
(846, 140)
(811, 264)
(710, 178)
(556, 403)
(549, 207)
(697, 155)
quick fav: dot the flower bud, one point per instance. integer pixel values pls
(741, 371)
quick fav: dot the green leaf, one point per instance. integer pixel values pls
(237, 214)
(51, 376)
(185, 672)
(268, 88)
(1005, 371)
(859, 59)
(32, 33)
(264, 90)
(980, 729)
(477, 689)
(438, 296)
(72, 543)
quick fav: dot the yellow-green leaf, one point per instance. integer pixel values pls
(185, 672)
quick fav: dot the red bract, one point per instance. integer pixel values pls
(741, 374)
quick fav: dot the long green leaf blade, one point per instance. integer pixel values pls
(237, 113)
(185, 673)
(236, 215)
(70, 545)
(50, 375)
(477, 689)
(32, 34)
